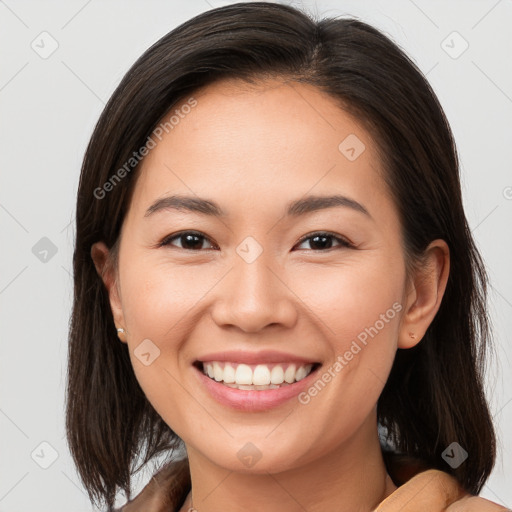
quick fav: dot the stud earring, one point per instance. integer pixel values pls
(121, 333)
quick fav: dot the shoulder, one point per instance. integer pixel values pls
(432, 490)
(165, 491)
(475, 504)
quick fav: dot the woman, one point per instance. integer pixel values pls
(273, 271)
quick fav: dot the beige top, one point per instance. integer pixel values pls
(428, 490)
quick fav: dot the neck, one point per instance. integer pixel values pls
(352, 475)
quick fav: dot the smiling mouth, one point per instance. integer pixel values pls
(257, 377)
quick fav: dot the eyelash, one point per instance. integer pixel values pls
(342, 242)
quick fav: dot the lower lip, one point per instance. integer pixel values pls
(249, 400)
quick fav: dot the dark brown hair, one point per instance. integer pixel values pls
(434, 394)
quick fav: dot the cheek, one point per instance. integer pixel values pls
(158, 303)
(351, 298)
(162, 304)
(359, 310)
(158, 299)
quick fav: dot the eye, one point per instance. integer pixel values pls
(189, 240)
(193, 241)
(323, 240)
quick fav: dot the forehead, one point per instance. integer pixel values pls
(254, 143)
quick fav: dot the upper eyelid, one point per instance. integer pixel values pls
(166, 240)
(325, 233)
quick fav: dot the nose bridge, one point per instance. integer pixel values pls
(252, 270)
(253, 296)
(255, 278)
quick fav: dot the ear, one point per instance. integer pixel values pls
(425, 293)
(100, 256)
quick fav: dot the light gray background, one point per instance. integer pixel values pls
(48, 111)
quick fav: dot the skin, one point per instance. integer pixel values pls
(252, 149)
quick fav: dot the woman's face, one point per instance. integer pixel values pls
(252, 291)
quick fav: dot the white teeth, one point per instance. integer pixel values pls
(256, 377)
(261, 375)
(218, 373)
(289, 374)
(277, 375)
(243, 374)
(257, 388)
(229, 374)
(301, 373)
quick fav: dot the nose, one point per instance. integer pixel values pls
(253, 296)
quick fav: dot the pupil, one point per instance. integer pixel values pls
(325, 243)
(190, 240)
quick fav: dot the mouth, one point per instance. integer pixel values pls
(256, 377)
(254, 381)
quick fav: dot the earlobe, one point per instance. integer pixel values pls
(100, 256)
(424, 299)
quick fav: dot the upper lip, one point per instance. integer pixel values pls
(245, 357)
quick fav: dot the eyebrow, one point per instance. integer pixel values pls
(295, 208)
